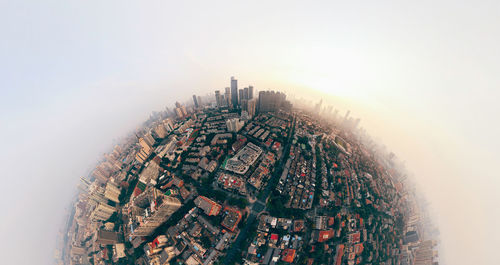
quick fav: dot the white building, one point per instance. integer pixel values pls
(234, 125)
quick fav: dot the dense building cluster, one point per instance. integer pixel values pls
(234, 179)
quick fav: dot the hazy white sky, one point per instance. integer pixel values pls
(422, 75)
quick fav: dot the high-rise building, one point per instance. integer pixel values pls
(227, 96)
(102, 212)
(169, 125)
(250, 92)
(84, 184)
(234, 125)
(112, 192)
(218, 98)
(145, 150)
(411, 237)
(101, 174)
(195, 101)
(94, 191)
(245, 93)
(234, 92)
(271, 101)
(240, 96)
(180, 110)
(148, 137)
(243, 104)
(178, 113)
(426, 253)
(113, 161)
(106, 168)
(160, 130)
(145, 144)
(154, 208)
(200, 103)
(251, 105)
(141, 156)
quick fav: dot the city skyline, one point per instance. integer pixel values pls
(309, 159)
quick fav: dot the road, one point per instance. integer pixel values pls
(258, 206)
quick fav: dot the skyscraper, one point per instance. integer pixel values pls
(169, 126)
(156, 209)
(145, 150)
(251, 104)
(195, 101)
(234, 125)
(227, 96)
(148, 137)
(160, 130)
(271, 101)
(245, 93)
(250, 92)
(180, 110)
(102, 212)
(218, 98)
(234, 92)
(240, 96)
(112, 192)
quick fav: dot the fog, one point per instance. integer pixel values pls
(75, 76)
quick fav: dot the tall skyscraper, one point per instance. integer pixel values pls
(218, 98)
(245, 93)
(160, 130)
(180, 110)
(112, 192)
(145, 150)
(101, 173)
(250, 107)
(271, 101)
(195, 101)
(234, 92)
(148, 137)
(227, 96)
(250, 92)
(156, 209)
(240, 96)
(234, 125)
(102, 212)
(84, 184)
(169, 126)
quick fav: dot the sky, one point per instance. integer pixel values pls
(75, 76)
